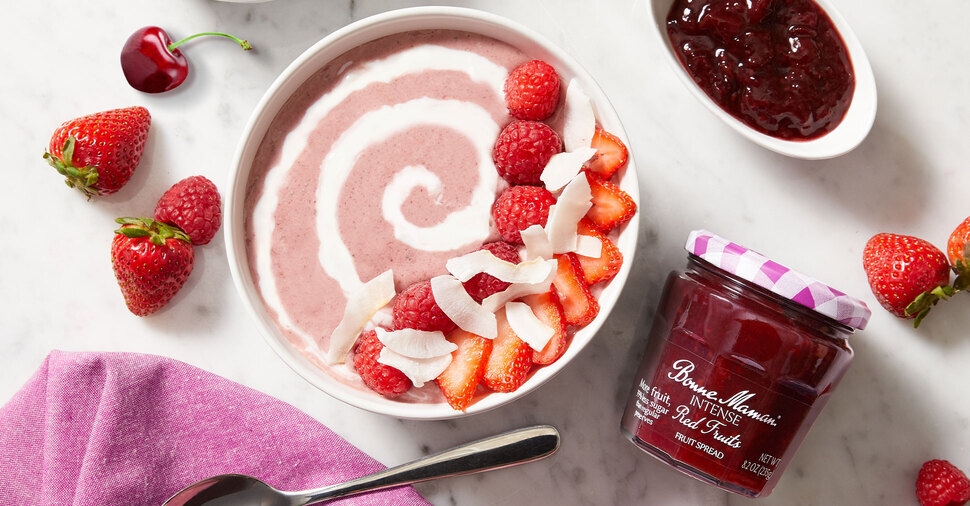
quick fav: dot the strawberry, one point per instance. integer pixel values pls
(523, 149)
(192, 205)
(612, 206)
(509, 362)
(482, 285)
(907, 275)
(460, 380)
(956, 248)
(415, 308)
(547, 309)
(99, 152)
(611, 155)
(579, 305)
(520, 207)
(379, 377)
(151, 262)
(940, 483)
(604, 268)
(532, 91)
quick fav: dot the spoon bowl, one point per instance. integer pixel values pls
(843, 138)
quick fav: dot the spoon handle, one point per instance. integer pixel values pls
(506, 449)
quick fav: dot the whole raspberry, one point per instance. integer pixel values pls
(482, 285)
(519, 207)
(380, 378)
(532, 91)
(415, 308)
(192, 205)
(523, 149)
(940, 483)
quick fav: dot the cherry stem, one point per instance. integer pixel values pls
(242, 43)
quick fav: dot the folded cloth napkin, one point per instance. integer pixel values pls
(132, 429)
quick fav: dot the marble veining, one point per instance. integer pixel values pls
(899, 405)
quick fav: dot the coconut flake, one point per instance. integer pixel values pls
(416, 343)
(515, 290)
(579, 125)
(589, 246)
(467, 266)
(530, 329)
(565, 214)
(462, 309)
(418, 370)
(537, 243)
(562, 167)
(360, 308)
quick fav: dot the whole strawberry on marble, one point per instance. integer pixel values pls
(98, 153)
(151, 262)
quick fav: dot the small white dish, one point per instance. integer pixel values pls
(845, 137)
(335, 44)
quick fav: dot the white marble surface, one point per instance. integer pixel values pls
(902, 402)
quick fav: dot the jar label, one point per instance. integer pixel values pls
(720, 418)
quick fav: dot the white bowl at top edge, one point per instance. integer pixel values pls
(296, 73)
(845, 137)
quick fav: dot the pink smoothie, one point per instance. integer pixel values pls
(312, 300)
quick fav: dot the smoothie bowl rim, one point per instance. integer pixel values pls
(325, 50)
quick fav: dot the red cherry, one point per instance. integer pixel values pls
(152, 63)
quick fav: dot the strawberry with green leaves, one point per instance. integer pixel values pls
(151, 262)
(98, 153)
(907, 274)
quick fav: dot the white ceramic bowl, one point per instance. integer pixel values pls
(317, 56)
(845, 137)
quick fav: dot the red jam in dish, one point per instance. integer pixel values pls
(733, 378)
(780, 66)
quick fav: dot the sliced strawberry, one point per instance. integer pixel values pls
(509, 362)
(611, 155)
(612, 206)
(604, 268)
(579, 306)
(460, 380)
(547, 309)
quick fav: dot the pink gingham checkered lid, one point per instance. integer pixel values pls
(792, 285)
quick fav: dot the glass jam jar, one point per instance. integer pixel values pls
(742, 356)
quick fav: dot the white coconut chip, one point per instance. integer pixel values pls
(565, 214)
(418, 370)
(530, 329)
(467, 266)
(589, 246)
(515, 290)
(462, 309)
(563, 166)
(416, 343)
(360, 308)
(579, 125)
(537, 243)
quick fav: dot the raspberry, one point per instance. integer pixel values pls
(940, 483)
(519, 207)
(192, 205)
(415, 308)
(532, 91)
(523, 149)
(482, 285)
(380, 378)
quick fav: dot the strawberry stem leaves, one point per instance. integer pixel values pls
(155, 231)
(925, 301)
(83, 178)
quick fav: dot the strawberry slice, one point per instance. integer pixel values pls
(611, 154)
(547, 309)
(612, 206)
(604, 268)
(578, 304)
(509, 362)
(460, 380)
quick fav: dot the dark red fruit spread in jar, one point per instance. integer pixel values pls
(742, 356)
(780, 66)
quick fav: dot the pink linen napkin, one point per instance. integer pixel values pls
(132, 429)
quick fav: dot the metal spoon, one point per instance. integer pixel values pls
(504, 450)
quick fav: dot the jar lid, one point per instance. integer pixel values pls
(766, 273)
